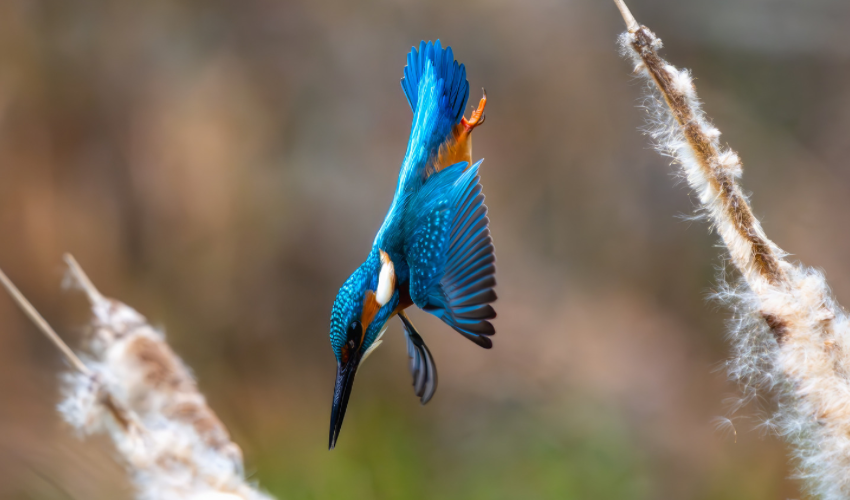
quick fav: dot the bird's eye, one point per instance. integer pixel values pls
(355, 334)
(354, 337)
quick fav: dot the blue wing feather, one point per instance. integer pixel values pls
(450, 252)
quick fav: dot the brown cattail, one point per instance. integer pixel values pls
(789, 334)
(134, 388)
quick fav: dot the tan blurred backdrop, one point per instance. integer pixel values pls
(222, 166)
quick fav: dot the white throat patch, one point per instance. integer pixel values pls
(386, 280)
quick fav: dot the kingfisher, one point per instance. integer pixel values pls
(434, 248)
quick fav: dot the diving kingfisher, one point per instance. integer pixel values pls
(434, 248)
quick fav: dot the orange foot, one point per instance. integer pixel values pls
(477, 115)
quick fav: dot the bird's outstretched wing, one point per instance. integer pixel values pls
(450, 252)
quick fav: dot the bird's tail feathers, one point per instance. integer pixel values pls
(454, 89)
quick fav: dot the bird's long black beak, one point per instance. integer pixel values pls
(342, 390)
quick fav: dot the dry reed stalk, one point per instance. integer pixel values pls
(134, 388)
(789, 334)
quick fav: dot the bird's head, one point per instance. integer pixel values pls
(360, 313)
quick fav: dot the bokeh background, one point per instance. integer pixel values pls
(222, 166)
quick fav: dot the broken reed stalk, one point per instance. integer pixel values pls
(789, 334)
(134, 388)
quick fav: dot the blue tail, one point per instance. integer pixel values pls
(455, 88)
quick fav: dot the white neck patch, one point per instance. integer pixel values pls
(386, 280)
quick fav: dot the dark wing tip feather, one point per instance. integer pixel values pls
(422, 366)
(480, 311)
(474, 326)
(479, 339)
(484, 295)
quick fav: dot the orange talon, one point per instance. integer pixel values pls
(477, 117)
(458, 146)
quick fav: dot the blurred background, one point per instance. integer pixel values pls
(222, 166)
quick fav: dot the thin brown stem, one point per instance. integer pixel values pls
(82, 279)
(631, 22)
(807, 364)
(42, 324)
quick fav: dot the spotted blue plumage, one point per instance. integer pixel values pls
(435, 234)
(437, 90)
(450, 253)
(348, 305)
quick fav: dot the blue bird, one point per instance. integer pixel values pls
(434, 248)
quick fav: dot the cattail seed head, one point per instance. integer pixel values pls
(139, 392)
(788, 333)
